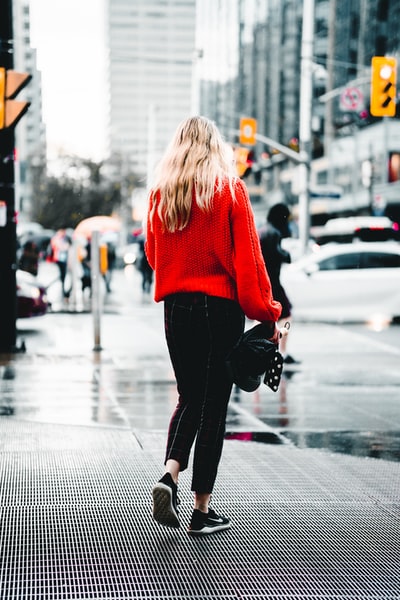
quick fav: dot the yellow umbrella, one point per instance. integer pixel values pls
(99, 223)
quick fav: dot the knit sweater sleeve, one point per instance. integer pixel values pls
(253, 284)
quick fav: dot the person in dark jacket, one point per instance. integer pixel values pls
(144, 267)
(29, 259)
(275, 256)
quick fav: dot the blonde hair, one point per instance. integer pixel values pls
(196, 163)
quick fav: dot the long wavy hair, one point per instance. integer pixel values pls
(195, 165)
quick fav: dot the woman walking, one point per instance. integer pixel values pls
(203, 246)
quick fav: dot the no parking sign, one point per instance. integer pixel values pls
(351, 99)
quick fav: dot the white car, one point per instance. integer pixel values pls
(357, 282)
(348, 229)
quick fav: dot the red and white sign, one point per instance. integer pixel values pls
(351, 99)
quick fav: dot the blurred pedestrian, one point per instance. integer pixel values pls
(144, 267)
(111, 258)
(203, 246)
(60, 244)
(275, 256)
(86, 262)
(29, 258)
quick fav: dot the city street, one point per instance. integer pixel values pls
(301, 102)
(343, 397)
(309, 475)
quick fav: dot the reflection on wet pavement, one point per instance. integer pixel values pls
(334, 400)
(372, 444)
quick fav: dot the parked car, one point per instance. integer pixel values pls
(348, 229)
(31, 296)
(346, 282)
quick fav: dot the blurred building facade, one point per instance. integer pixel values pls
(30, 141)
(265, 50)
(151, 51)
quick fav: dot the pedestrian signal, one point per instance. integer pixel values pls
(383, 86)
(248, 128)
(11, 83)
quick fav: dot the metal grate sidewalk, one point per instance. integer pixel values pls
(76, 521)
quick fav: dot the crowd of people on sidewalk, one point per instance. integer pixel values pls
(71, 256)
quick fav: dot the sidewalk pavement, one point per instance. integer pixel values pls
(82, 438)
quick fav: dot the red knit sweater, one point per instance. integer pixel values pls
(217, 253)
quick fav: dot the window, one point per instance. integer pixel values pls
(380, 260)
(341, 262)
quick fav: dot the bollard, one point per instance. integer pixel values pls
(96, 291)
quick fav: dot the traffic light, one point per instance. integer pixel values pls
(248, 130)
(11, 83)
(383, 86)
(243, 158)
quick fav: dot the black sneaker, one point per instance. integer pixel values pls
(204, 524)
(165, 502)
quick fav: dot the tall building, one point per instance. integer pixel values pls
(29, 132)
(151, 56)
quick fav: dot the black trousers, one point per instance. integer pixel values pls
(200, 331)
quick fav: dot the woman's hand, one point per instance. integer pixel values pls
(275, 332)
(279, 332)
(277, 335)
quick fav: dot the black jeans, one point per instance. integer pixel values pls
(200, 331)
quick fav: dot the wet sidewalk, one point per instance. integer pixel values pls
(82, 437)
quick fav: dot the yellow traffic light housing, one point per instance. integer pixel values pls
(248, 130)
(2, 96)
(383, 86)
(242, 161)
(11, 83)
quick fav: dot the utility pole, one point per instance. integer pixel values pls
(8, 232)
(307, 49)
(329, 130)
(11, 111)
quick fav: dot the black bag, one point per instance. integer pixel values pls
(254, 357)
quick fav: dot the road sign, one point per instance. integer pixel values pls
(351, 99)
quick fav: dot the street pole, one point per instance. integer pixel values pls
(96, 292)
(307, 49)
(8, 231)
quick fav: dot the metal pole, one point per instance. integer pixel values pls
(96, 292)
(297, 157)
(307, 48)
(75, 298)
(8, 231)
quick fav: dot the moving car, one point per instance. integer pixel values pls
(346, 282)
(348, 229)
(31, 296)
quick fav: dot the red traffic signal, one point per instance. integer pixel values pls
(11, 83)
